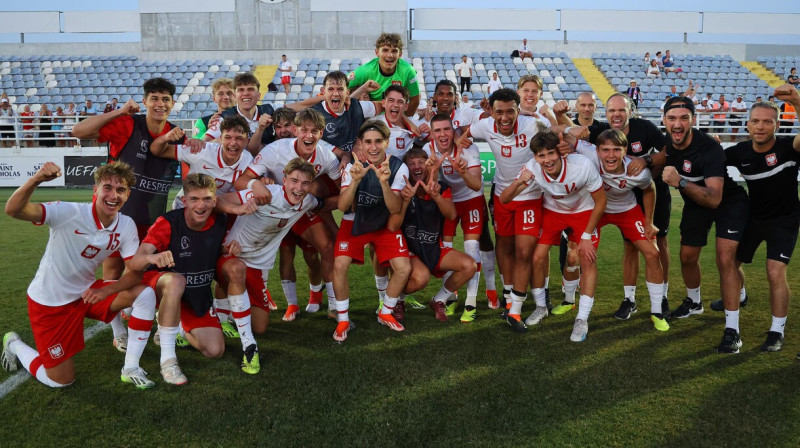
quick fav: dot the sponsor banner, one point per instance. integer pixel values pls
(16, 170)
(488, 164)
(79, 171)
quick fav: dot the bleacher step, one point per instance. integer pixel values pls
(595, 78)
(264, 74)
(763, 72)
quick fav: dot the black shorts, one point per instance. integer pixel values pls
(491, 202)
(730, 219)
(780, 235)
(662, 208)
(6, 131)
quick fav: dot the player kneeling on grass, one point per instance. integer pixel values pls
(184, 248)
(65, 291)
(369, 195)
(622, 211)
(573, 199)
(260, 234)
(426, 205)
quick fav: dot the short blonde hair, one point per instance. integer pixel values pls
(199, 181)
(120, 170)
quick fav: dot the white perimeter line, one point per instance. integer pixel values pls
(22, 375)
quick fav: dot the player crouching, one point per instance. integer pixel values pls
(65, 291)
(426, 205)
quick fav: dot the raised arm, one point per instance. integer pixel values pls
(89, 129)
(19, 205)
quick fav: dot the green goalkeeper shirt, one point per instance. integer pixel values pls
(404, 75)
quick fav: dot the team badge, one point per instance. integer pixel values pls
(772, 159)
(351, 76)
(397, 83)
(257, 160)
(400, 142)
(448, 169)
(144, 146)
(184, 242)
(636, 146)
(505, 151)
(219, 183)
(687, 166)
(90, 252)
(248, 195)
(56, 351)
(344, 245)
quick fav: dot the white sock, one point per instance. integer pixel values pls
(547, 282)
(516, 302)
(342, 307)
(27, 356)
(732, 319)
(388, 305)
(487, 266)
(382, 283)
(331, 295)
(443, 295)
(656, 291)
(139, 326)
(167, 335)
(694, 294)
(778, 324)
(742, 294)
(240, 309)
(223, 309)
(448, 244)
(117, 327)
(473, 249)
(289, 291)
(316, 288)
(666, 289)
(570, 288)
(630, 292)
(585, 307)
(539, 297)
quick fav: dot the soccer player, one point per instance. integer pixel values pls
(388, 69)
(246, 87)
(574, 199)
(184, 249)
(768, 163)
(373, 192)
(64, 290)
(223, 96)
(461, 169)
(403, 130)
(695, 165)
(426, 205)
(622, 211)
(271, 161)
(261, 233)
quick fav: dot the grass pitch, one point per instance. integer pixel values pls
(434, 384)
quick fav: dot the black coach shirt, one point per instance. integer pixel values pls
(771, 177)
(643, 136)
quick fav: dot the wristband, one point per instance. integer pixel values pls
(566, 130)
(586, 236)
(250, 184)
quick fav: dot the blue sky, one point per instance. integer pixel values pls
(771, 6)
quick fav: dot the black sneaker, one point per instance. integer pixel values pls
(774, 342)
(718, 306)
(687, 308)
(547, 301)
(503, 302)
(517, 325)
(626, 308)
(665, 307)
(731, 342)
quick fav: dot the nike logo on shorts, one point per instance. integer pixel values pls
(733, 231)
(527, 228)
(784, 256)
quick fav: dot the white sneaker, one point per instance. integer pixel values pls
(121, 343)
(171, 372)
(9, 359)
(136, 376)
(579, 331)
(537, 316)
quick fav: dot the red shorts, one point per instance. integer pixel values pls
(292, 240)
(255, 283)
(387, 244)
(190, 321)
(305, 222)
(142, 231)
(471, 213)
(555, 223)
(437, 272)
(630, 223)
(518, 217)
(286, 79)
(58, 330)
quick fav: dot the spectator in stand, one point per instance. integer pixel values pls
(7, 124)
(89, 110)
(494, 83)
(634, 93)
(703, 116)
(659, 60)
(646, 59)
(115, 104)
(758, 99)
(466, 103)
(653, 71)
(70, 118)
(738, 110)
(793, 79)
(788, 117)
(669, 64)
(108, 107)
(525, 50)
(58, 126)
(27, 125)
(464, 70)
(673, 92)
(286, 73)
(666, 98)
(46, 134)
(721, 108)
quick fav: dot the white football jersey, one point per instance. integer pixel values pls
(274, 157)
(78, 245)
(461, 192)
(465, 117)
(510, 152)
(260, 234)
(400, 140)
(618, 187)
(570, 191)
(214, 131)
(209, 161)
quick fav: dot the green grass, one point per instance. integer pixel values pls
(435, 383)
